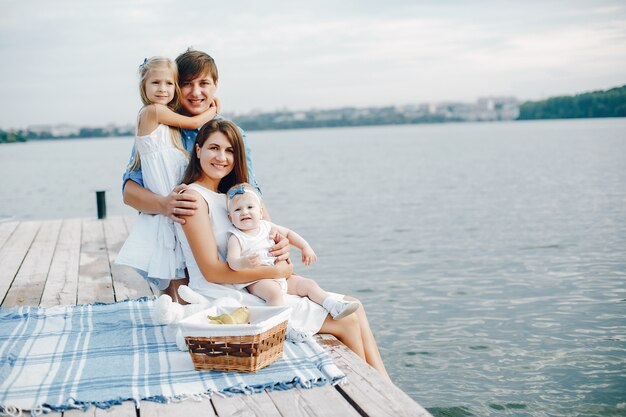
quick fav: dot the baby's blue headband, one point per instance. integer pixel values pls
(241, 189)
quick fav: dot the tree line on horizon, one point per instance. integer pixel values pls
(11, 137)
(608, 103)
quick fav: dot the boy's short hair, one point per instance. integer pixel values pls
(192, 64)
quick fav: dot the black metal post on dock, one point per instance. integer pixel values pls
(102, 204)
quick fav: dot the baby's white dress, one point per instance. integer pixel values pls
(152, 247)
(306, 315)
(258, 244)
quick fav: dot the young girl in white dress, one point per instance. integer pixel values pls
(248, 246)
(152, 246)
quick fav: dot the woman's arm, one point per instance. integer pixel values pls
(200, 236)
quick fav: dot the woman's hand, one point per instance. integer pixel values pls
(284, 269)
(281, 249)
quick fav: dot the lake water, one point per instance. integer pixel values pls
(490, 257)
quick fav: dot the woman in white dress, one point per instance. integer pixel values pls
(218, 162)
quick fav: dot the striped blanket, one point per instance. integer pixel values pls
(68, 357)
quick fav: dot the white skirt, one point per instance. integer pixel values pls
(153, 248)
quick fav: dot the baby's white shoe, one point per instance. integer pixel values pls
(339, 309)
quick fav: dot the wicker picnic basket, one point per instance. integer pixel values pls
(236, 347)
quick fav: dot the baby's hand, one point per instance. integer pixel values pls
(308, 256)
(252, 261)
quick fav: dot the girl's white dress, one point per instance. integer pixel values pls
(306, 315)
(152, 247)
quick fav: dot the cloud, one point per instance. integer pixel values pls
(412, 59)
(77, 60)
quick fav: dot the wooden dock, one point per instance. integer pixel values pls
(67, 262)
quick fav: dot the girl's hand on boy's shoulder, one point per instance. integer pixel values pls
(217, 104)
(308, 256)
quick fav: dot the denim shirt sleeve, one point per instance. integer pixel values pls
(135, 176)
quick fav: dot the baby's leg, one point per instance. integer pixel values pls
(335, 305)
(269, 290)
(306, 287)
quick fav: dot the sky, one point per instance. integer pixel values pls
(76, 61)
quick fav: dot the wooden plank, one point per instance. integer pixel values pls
(366, 387)
(185, 408)
(94, 276)
(127, 283)
(62, 283)
(13, 252)
(30, 280)
(323, 401)
(255, 405)
(6, 229)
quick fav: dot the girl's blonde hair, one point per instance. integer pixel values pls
(150, 64)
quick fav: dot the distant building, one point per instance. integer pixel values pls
(55, 131)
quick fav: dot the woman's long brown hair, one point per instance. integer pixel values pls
(239, 172)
